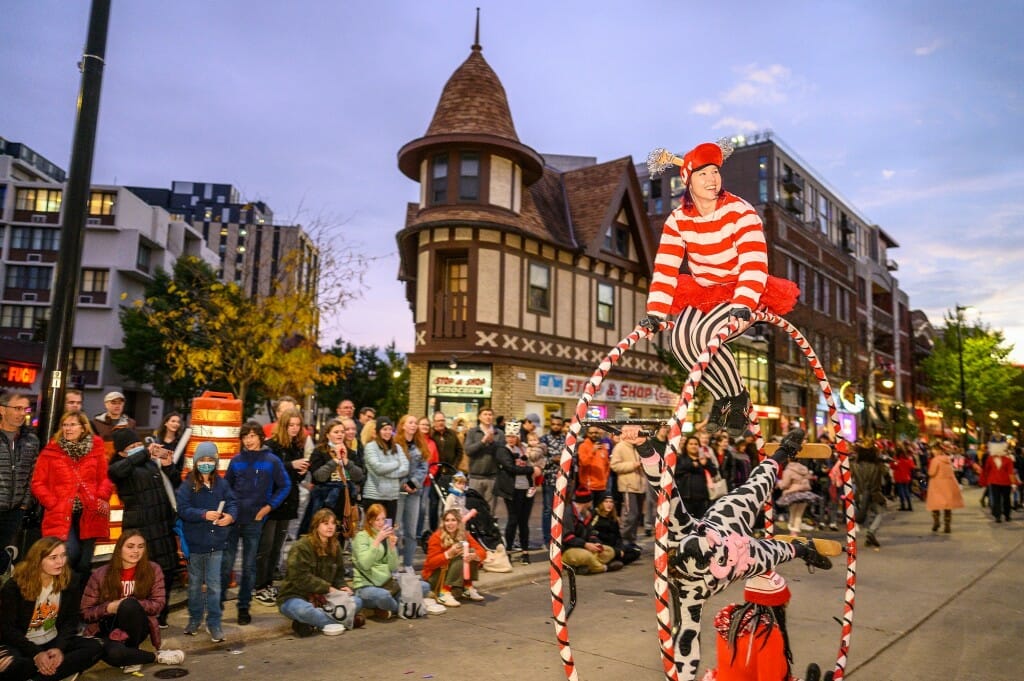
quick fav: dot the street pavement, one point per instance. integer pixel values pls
(928, 606)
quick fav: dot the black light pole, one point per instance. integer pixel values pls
(60, 334)
(963, 386)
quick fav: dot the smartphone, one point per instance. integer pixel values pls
(388, 522)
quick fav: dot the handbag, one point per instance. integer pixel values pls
(349, 517)
(339, 606)
(717, 487)
(410, 600)
(497, 560)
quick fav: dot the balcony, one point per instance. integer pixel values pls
(794, 204)
(36, 217)
(31, 255)
(792, 183)
(449, 318)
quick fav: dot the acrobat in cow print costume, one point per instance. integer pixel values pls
(718, 549)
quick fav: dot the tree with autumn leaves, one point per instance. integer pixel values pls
(192, 332)
(991, 382)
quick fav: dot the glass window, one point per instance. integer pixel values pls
(29, 277)
(616, 240)
(439, 179)
(38, 200)
(95, 281)
(23, 316)
(102, 203)
(456, 283)
(85, 359)
(469, 176)
(753, 367)
(605, 305)
(539, 294)
(145, 254)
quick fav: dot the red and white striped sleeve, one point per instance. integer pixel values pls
(667, 263)
(752, 252)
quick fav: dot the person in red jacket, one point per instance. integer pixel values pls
(453, 561)
(1000, 476)
(752, 640)
(902, 473)
(70, 481)
(721, 238)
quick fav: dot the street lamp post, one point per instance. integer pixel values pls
(963, 385)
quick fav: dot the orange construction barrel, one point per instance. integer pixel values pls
(216, 418)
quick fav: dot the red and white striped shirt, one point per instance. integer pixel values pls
(724, 248)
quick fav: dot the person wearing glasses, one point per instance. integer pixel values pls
(19, 449)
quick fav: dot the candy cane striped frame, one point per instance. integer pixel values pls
(663, 609)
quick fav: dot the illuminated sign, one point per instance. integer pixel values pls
(18, 374)
(850, 400)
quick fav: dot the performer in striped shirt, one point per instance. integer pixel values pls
(721, 238)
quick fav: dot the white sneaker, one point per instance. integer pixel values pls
(170, 656)
(472, 594)
(132, 669)
(333, 630)
(448, 600)
(433, 607)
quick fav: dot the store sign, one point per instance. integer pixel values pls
(462, 382)
(18, 374)
(563, 386)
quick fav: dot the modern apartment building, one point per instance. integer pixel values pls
(851, 308)
(253, 252)
(126, 241)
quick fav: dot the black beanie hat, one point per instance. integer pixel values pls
(123, 437)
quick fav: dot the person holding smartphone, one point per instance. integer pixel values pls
(411, 498)
(375, 558)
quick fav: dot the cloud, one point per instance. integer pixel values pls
(706, 108)
(927, 50)
(737, 124)
(888, 174)
(759, 86)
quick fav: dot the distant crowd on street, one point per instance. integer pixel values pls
(377, 518)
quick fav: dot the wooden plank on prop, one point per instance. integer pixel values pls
(810, 450)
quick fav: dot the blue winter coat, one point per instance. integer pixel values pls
(257, 478)
(201, 535)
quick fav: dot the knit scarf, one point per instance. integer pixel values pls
(76, 449)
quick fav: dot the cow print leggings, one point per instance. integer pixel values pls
(714, 551)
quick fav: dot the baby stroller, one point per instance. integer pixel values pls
(483, 526)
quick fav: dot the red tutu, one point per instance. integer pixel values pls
(779, 297)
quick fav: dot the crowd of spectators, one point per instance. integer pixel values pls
(331, 531)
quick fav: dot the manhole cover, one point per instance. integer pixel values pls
(625, 592)
(171, 673)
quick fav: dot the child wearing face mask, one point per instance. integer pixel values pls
(207, 506)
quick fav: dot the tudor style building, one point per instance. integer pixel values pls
(521, 270)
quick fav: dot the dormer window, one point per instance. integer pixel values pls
(616, 240)
(469, 176)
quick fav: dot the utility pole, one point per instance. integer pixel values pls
(59, 337)
(963, 386)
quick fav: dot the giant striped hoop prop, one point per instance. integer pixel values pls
(663, 591)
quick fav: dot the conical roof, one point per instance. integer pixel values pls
(473, 102)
